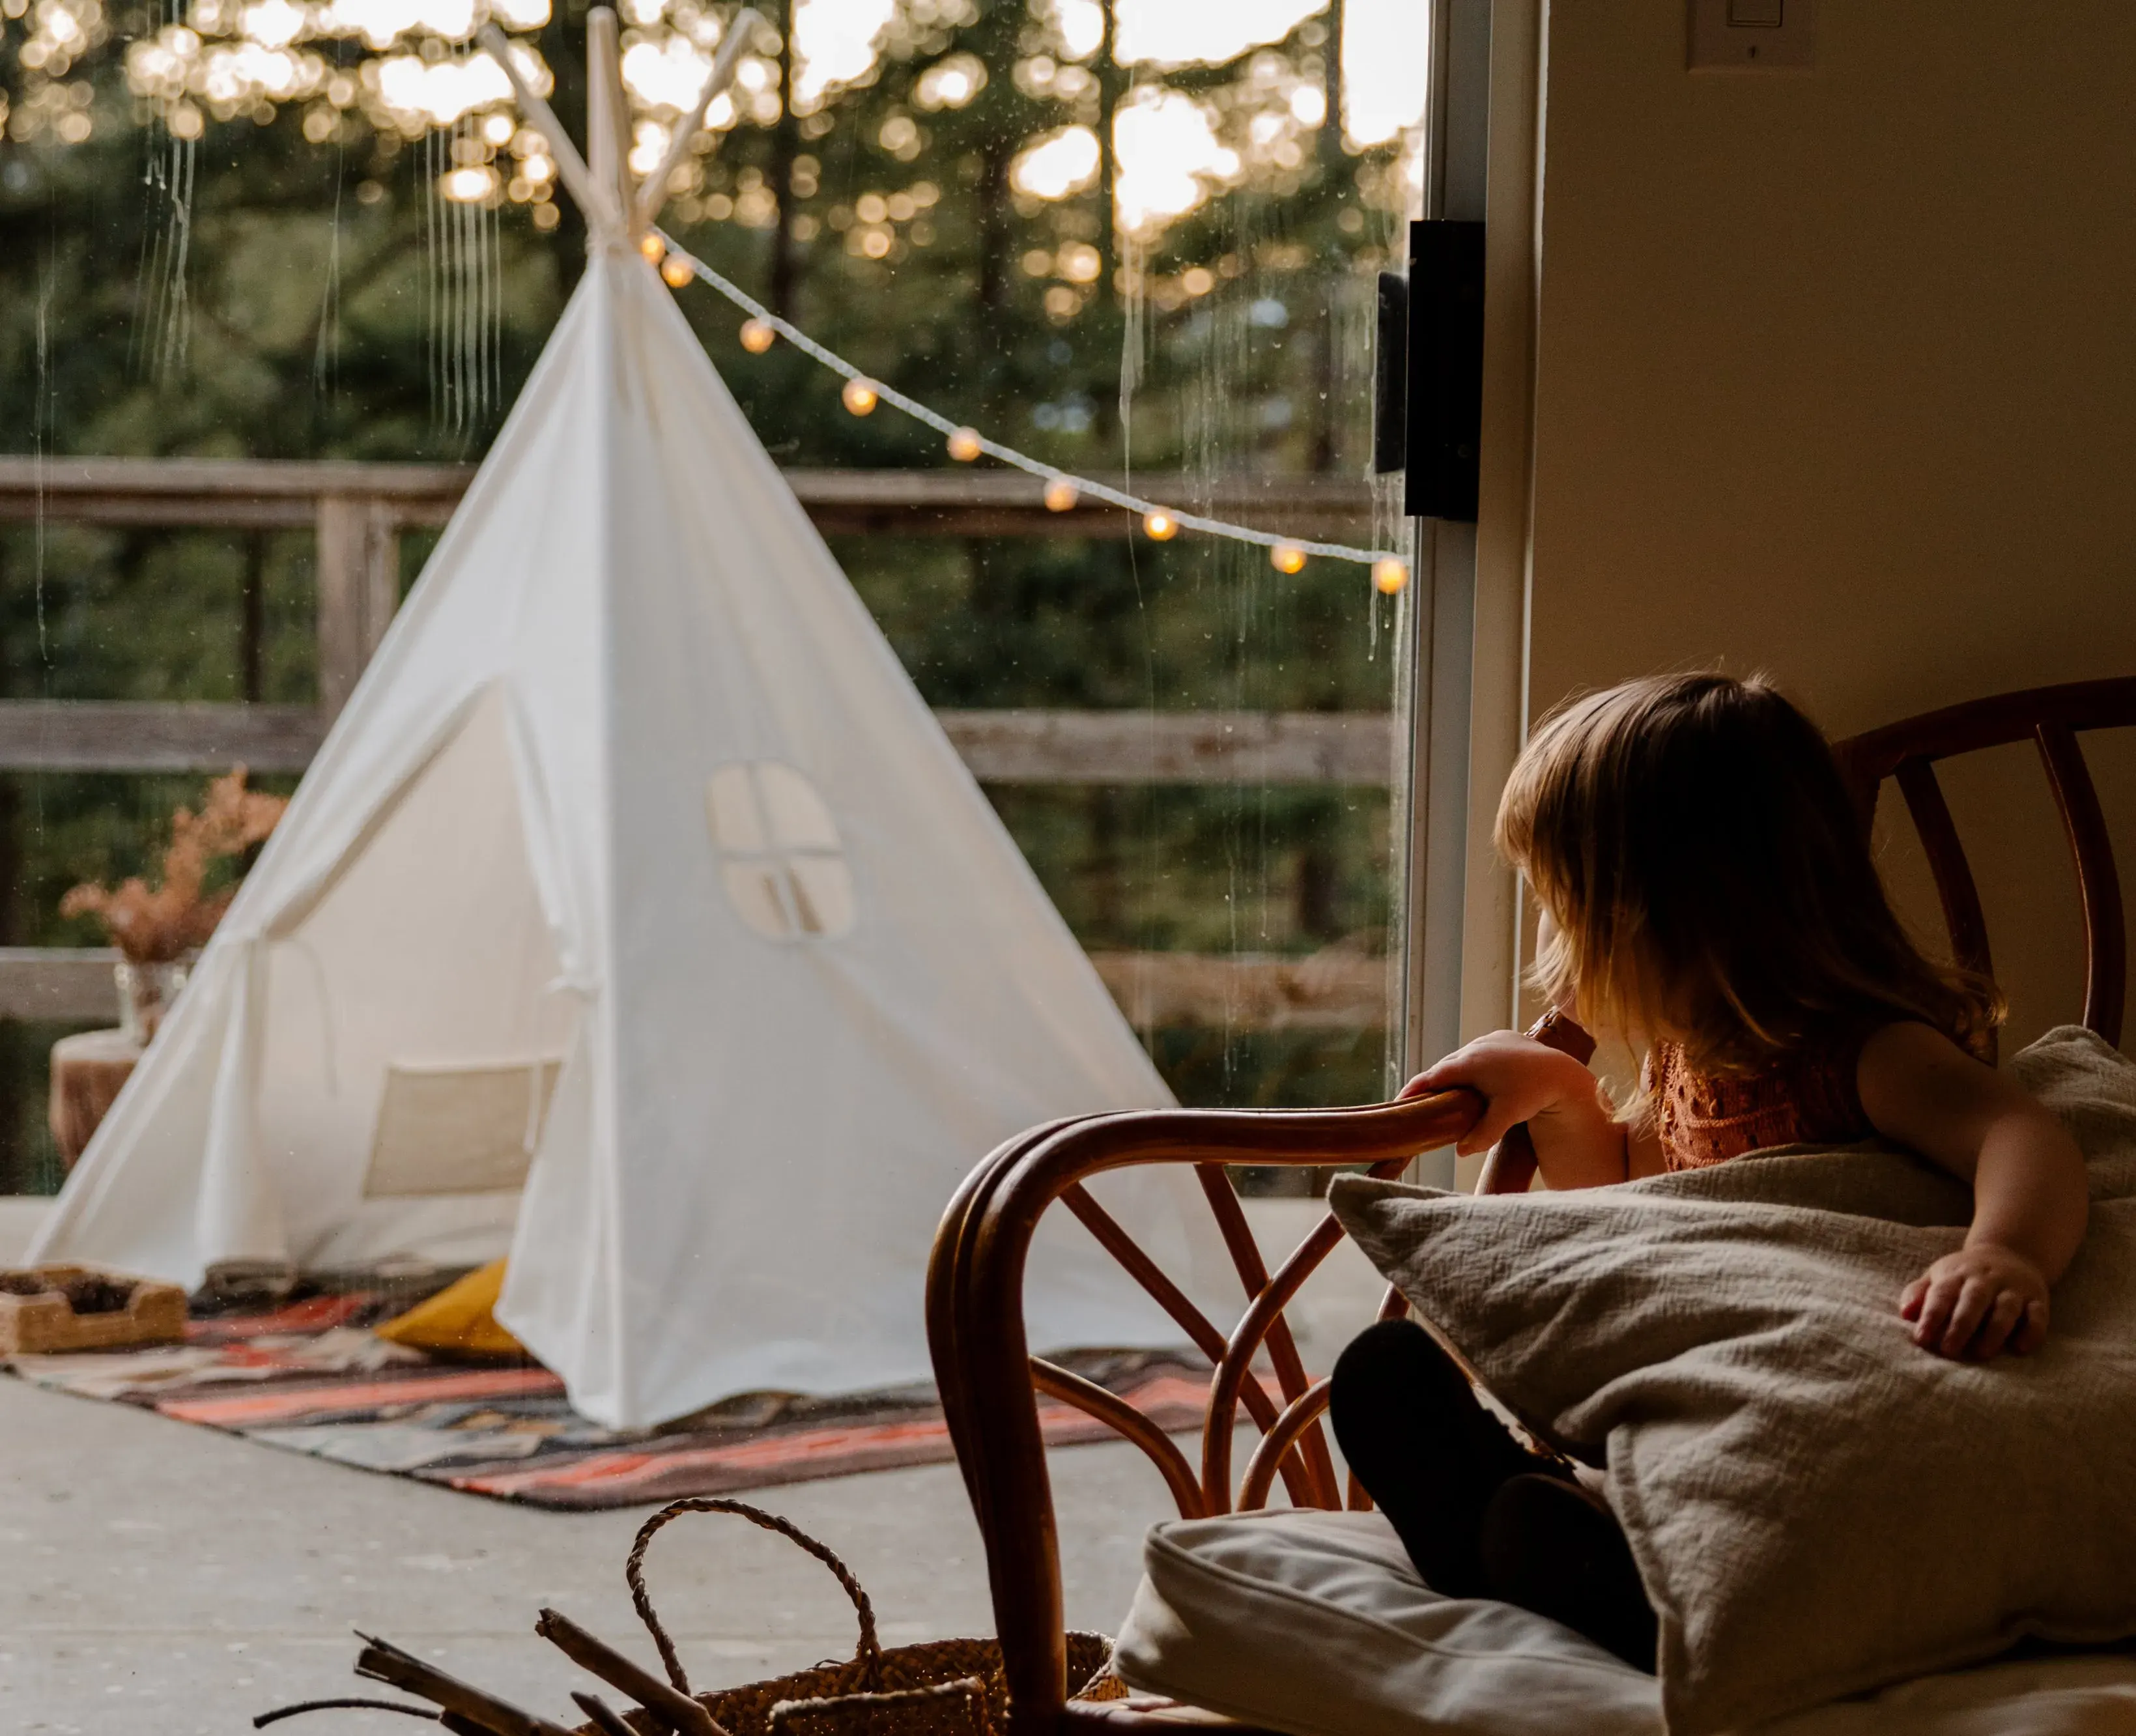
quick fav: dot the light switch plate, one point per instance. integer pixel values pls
(1753, 35)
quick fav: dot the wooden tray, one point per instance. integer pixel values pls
(155, 1313)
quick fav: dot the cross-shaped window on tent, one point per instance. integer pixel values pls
(781, 861)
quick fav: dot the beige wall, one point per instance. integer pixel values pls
(1837, 379)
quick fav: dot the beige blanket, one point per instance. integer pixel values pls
(1818, 1507)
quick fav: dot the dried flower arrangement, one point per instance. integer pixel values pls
(157, 927)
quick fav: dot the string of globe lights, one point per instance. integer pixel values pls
(861, 394)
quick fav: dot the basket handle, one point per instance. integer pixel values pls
(869, 1654)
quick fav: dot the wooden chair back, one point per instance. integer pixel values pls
(2051, 718)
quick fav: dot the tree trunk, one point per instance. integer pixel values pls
(14, 1174)
(252, 619)
(1329, 144)
(1108, 882)
(1111, 82)
(1331, 158)
(785, 147)
(1322, 458)
(995, 239)
(1318, 882)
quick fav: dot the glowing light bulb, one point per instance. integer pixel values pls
(468, 186)
(1159, 526)
(859, 397)
(652, 247)
(757, 335)
(676, 272)
(964, 445)
(1390, 575)
(1060, 494)
(1287, 557)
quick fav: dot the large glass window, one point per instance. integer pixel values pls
(1136, 241)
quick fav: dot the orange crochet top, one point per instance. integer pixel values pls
(1708, 1119)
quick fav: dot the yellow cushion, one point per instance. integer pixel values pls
(457, 1321)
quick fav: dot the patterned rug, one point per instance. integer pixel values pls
(312, 1378)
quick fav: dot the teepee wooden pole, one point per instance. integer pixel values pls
(598, 206)
(607, 111)
(653, 190)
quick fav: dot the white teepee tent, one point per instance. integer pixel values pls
(635, 919)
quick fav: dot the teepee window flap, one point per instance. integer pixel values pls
(782, 860)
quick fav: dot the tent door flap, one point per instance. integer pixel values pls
(458, 1129)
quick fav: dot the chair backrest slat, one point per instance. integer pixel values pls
(2099, 882)
(1143, 1270)
(1307, 1468)
(1124, 1419)
(2050, 717)
(1310, 1483)
(1916, 779)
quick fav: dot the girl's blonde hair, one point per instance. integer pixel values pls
(1696, 845)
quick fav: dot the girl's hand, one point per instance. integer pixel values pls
(1577, 1141)
(2029, 1196)
(1519, 1078)
(1984, 1299)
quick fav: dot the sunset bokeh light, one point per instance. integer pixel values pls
(421, 72)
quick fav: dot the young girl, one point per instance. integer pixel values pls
(1706, 890)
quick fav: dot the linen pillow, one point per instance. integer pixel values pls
(1315, 1624)
(1817, 1507)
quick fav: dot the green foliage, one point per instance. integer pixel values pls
(255, 292)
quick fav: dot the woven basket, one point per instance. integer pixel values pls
(42, 1321)
(936, 1688)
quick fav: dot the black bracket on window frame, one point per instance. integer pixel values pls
(1445, 346)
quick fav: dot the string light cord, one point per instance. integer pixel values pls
(973, 439)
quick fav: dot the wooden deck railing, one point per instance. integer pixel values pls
(1336, 990)
(1000, 747)
(358, 511)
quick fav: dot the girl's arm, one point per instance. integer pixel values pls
(2029, 1195)
(1579, 1142)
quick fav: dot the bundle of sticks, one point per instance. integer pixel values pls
(658, 1709)
(932, 1688)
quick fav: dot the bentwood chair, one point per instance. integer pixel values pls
(990, 1383)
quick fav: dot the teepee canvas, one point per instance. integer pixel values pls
(636, 919)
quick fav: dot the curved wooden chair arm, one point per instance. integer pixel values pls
(983, 1359)
(990, 1383)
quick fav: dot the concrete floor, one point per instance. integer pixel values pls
(165, 1579)
(169, 1579)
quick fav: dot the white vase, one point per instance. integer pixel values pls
(146, 992)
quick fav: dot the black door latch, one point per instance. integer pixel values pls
(1428, 373)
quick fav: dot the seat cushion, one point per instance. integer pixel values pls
(1315, 1624)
